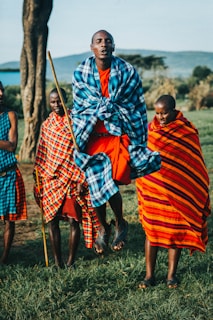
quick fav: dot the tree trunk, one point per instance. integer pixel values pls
(36, 14)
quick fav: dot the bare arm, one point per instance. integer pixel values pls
(11, 144)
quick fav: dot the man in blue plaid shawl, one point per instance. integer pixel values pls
(109, 117)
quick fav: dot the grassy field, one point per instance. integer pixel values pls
(107, 288)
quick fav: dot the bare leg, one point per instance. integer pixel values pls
(104, 232)
(55, 240)
(9, 232)
(117, 207)
(101, 213)
(120, 224)
(150, 257)
(74, 240)
(173, 259)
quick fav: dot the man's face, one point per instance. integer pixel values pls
(55, 104)
(102, 45)
(164, 114)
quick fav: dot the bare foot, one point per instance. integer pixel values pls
(120, 237)
(101, 243)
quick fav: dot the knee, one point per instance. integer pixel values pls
(116, 198)
(53, 224)
(73, 223)
(9, 225)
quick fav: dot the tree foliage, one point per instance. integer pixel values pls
(162, 86)
(182, 90)
(201, 72)
(198, 93)
(151, 62)
(13, 99)
(200, 85)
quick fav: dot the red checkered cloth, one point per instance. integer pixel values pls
(59, 175)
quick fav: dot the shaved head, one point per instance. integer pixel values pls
(167, 101)
(102, 31)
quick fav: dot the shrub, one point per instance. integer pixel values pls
(13, 99)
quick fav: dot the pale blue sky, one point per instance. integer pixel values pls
(170, 25)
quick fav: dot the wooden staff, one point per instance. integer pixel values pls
(62, 100)
(42, 219)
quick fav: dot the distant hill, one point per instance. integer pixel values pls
(10, 65)
(180, 64)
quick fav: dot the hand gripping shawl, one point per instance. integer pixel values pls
(124, 111)
(174, 202)
(60, 175)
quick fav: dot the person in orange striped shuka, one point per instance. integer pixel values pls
(174, 201)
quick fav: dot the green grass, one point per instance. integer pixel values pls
(107, 288)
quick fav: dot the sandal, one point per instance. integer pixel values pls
(146, 283)
(120, 236)
(172, 283)
(102, 241)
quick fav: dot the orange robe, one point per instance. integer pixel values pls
(115, 147)
(174, 201)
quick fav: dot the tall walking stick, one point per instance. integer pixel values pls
(62, 100)
(42, 220)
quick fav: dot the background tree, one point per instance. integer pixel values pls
(201, 72)
(13, 99)
(200, 85)
(36, 14)
(163, 86)
(197, 95)
(141, 63)
(182, 90)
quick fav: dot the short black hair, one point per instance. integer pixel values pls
(63, 92)
(167, 100)
(109, 34)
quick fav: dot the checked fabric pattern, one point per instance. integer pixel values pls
(124, 111)
(12, 197)
(7, 159)
(60, 175)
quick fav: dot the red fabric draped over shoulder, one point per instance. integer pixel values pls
(174, 201)
(116, 148)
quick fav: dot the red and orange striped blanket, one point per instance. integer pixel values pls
(174, 201)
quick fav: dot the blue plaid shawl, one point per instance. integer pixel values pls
(123, 112)
(7, 158)
(7, 183)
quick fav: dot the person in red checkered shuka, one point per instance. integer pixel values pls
(63, 189)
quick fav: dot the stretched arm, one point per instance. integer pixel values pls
(11, 144)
